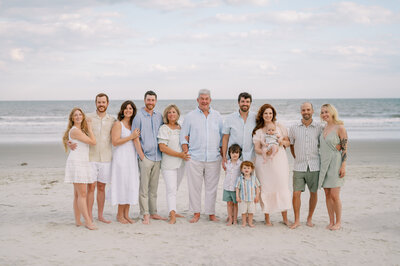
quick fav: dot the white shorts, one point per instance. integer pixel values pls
(247, 207)
(102, 171)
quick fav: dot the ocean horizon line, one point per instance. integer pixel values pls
(308, 98)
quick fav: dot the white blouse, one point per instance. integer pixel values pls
(170, 137)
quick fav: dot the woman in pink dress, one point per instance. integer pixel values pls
(272, 174)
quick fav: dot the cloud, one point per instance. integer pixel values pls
(364, 14)
(17, 54)
(339, 13)
(248, 2)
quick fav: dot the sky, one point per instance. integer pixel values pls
(74, 49)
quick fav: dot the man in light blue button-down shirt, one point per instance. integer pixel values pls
(148, 121)
(238, 128)
(201, 136)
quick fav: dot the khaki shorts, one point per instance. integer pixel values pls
(247, 207)
(300, 179)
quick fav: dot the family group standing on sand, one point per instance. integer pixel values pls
(128, 154)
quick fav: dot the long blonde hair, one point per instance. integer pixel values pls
(334, 113)
(84, 126)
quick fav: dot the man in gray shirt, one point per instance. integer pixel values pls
(304, 146)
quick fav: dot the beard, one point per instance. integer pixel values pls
(244, 108)
(150, 106)
(307, 117)
(102, 109)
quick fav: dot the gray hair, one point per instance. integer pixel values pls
(204, 92)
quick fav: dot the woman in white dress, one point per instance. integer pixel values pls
(172, 165)
(124, 165)
(272, 174)
(78, 170)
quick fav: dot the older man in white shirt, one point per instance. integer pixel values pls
(203, 126)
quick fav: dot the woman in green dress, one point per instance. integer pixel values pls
(333, 152)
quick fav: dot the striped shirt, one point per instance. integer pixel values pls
(247, 187)
(306, 145)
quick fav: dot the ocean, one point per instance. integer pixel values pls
(46, 121)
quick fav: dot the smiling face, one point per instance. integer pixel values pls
(101, 104)
(306, 111)
(77, 117)
(246, 170)
(268, 115)
(244, 104)
(128, 112)
(172, 116)
(204, 101)
(325, 115)
(234, 156)
(150, 102)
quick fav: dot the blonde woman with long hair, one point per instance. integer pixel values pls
(333, 152)
(77, 169)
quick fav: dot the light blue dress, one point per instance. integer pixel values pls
(331, 161)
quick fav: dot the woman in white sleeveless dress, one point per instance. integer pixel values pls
(77, 169)
(124, 166)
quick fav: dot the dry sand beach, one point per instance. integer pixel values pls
(37, 225)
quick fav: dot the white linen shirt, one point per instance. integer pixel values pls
(241, 133)
(170, 137)
(205, 135)
(231, 175)
(306, 145)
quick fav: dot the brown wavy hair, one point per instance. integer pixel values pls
(259, 118)
(84, 126)
(123, 107)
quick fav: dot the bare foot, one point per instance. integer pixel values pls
(329, 226)
(213, 218)
(157, 217)
(172, 219)
(78, 223)
(337, 226)
(146, 219)
(309, 223)
(195, 218)
(295, 225)
(268, 224)
(251, 225)
(229, 222)
(235, 222)
(177, 215)
(243, 224)
(122, 219)
(129, 220)
(286, 222)
(102, 219)
(91, 226)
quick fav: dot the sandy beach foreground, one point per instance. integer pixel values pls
(37, 226)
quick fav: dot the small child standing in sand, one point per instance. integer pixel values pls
(270, 142)
(232, 174)
(247, 192)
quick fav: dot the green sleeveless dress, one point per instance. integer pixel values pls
(331, 161)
